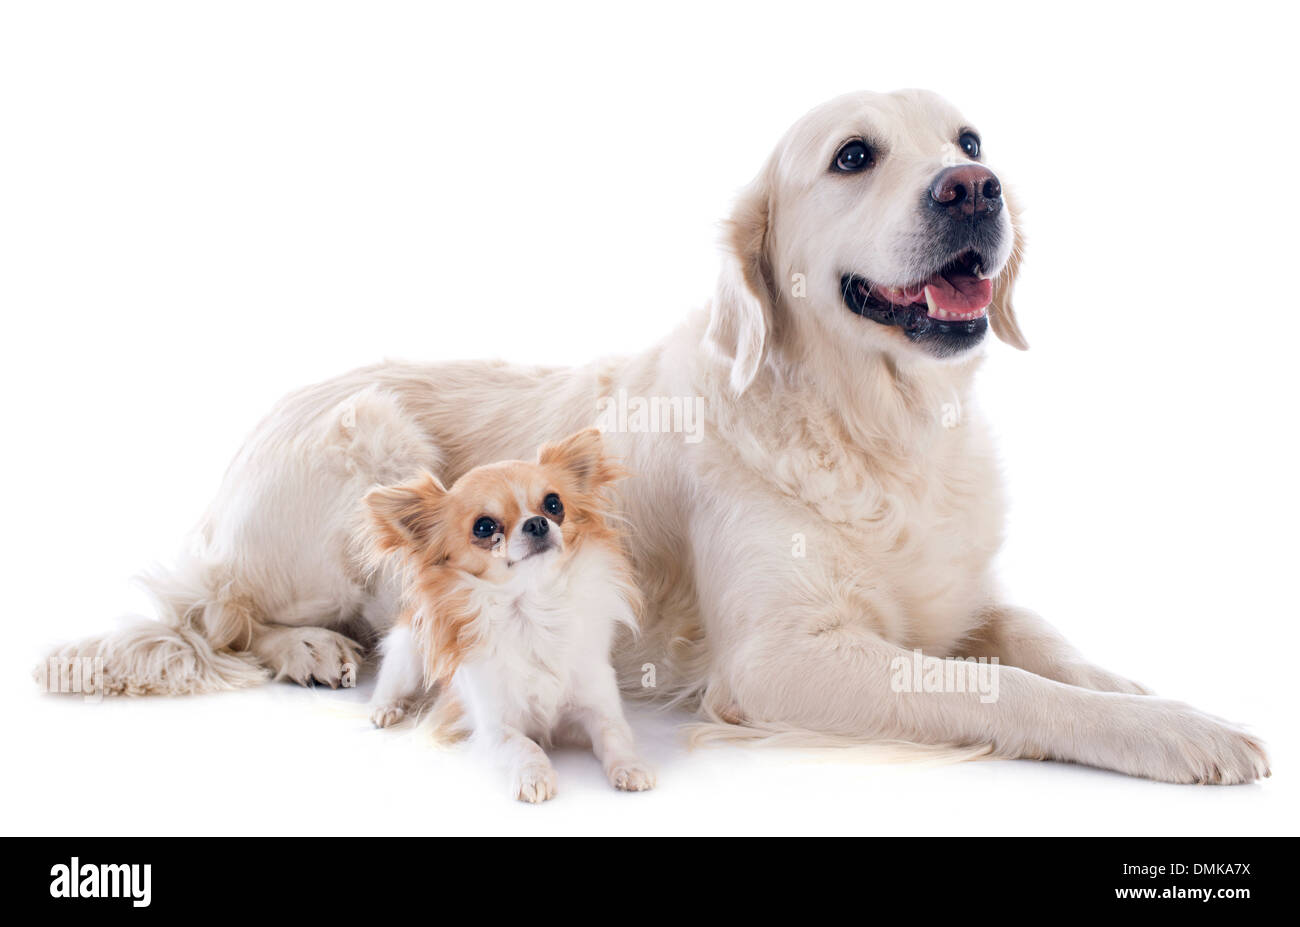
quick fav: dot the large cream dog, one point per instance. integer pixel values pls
(840, 509)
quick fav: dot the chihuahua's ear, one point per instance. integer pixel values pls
(583, 456)
(405, 517)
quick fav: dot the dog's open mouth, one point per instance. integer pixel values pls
(953, 301)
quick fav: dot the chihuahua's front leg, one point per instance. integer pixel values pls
(532, 777)
(401, 678)
(498, 734)
(600, 712)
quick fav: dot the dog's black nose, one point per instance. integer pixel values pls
(537, 526)
(967, 191)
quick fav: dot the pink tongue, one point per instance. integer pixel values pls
(961, 293)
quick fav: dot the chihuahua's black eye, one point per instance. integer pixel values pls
(970, 143)
(853, 156)
(553, 507)
(485, 527)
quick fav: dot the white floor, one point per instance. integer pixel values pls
(285, 760)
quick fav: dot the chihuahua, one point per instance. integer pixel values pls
(514, 583)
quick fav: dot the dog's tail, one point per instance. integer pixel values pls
(197, 644)
(724, 726)
(708, 733)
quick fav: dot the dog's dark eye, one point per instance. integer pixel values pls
(853, 156)
(485, 527)
(552, 506)
(970, 143)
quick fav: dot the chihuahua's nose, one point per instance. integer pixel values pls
(537, 526)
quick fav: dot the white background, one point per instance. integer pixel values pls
(203, 206)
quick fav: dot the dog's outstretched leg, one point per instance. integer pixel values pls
(1019, 637)
(843, 682)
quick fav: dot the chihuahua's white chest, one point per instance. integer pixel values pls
(546, 641)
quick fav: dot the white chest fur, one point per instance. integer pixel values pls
(900, 533)
(546, 640)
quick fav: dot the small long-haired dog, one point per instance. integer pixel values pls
(514, 584)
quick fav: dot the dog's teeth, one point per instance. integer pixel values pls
(930, 304)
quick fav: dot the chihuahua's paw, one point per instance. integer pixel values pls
(631, 776)
(388, 714)
(535, 782)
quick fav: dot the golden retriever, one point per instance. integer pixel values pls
(817, 557)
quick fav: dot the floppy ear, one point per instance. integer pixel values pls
(583, 456)
(1001, 315)
(740, 322)
(405, 517)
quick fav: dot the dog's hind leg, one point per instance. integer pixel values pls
(308, 654)
(275, 568)
(198, 644)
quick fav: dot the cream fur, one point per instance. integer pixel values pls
(819, 423)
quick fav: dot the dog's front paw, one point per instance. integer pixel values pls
(631, 776)
(388, 714)
(1189, 746)
(535, 782)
